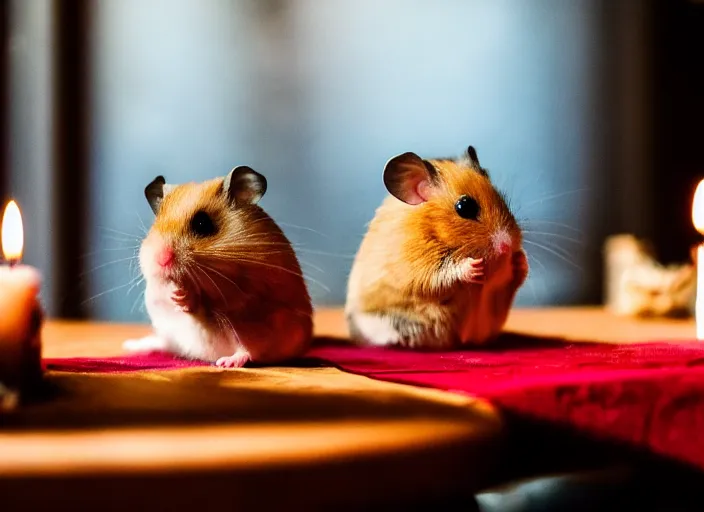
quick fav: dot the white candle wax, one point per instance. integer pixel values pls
(698, 221)
(19, 287)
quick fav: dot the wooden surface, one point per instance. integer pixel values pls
(307, 432)
(197, 434)
(594, 324)
(69, 339)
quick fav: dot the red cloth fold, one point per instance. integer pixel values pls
(120, 364)
(650, 395)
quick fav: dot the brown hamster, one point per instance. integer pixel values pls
(442, 259)
(223, 283)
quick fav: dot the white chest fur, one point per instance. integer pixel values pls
(186, 334)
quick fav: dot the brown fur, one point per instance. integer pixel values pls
(396, 269)
(246, 275)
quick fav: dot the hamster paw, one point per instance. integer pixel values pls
(236, 360)
(520, 267)
(146, 344)
(472, 271)
(182, 301)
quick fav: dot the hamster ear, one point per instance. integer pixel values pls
(244, 185)
(473, 160)
(409, 178)
(154, 192)
(471, 154)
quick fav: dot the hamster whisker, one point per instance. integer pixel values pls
(225, 322)
(314, 267)
(259, 221)
(248, 257)
(531, 270)
(278, 267)
(557, 248)
(98, 295)
(323, 253)
(289, 225)
(250, 242)
(248, 247)
(134, 264)
(129, 236)
(554, 196)
(206, 267)
(225, 254)
(137, 283)
(107, 265)
(545, 270)
(554, 223)
(294, 226)
(117, 239)
(237, 256)
(254, 246)
(197, 267)
(138, 301)
(245, 249)
(253, 261)
(264, 237)
(325, 288)
(537, 260)
(110, 249)
(556, 235)
(254, 243)
(554, 252)
(234, 331)
(264, 253)
(145, 231)
(532, 289)
(250, 236)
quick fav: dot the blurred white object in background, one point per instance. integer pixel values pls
(637, 285)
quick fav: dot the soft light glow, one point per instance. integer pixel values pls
(12, 233)
(698, 208)
(698, 221)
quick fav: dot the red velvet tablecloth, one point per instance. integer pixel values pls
(650, 395)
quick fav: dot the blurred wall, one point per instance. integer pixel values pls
(318, 95)
(4, 98)
(29, 118)
(46, 140)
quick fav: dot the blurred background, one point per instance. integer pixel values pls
(588, 114)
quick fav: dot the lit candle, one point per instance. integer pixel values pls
(698, 220)
(20, 312)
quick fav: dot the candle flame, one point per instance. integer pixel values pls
(12, 233)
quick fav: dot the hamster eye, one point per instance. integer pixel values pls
(202, 224)
(467, 208)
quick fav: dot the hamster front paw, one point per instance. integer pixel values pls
(236, 360)
(183, 301)
(472, 271)
(520, 268)
(146, 344)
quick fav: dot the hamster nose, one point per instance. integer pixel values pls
(165, 257)
(502, 242)
(503, 248)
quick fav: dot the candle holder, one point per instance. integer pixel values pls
(21, 371)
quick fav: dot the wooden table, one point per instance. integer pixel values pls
(262, 438)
